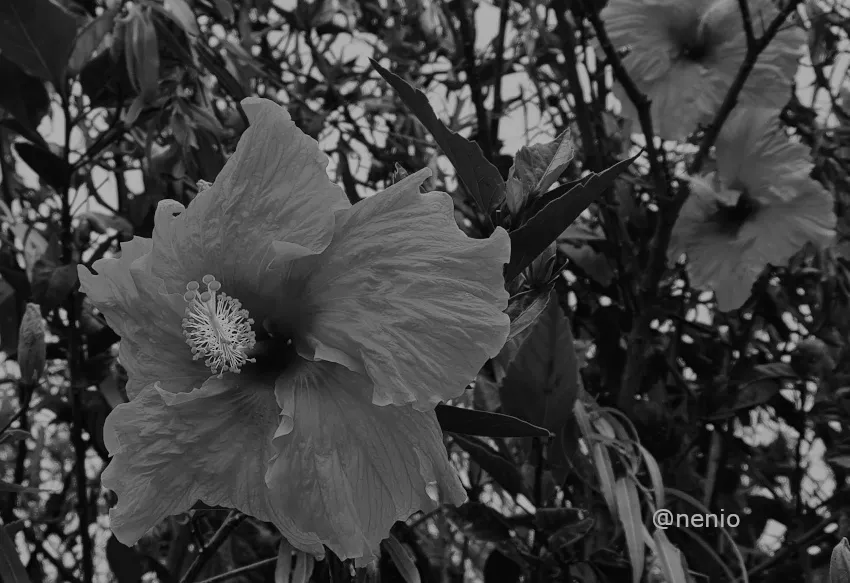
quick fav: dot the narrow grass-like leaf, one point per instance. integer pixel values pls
(628, 505)
(484, 423)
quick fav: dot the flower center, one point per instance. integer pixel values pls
(734, 216)
(217, 328)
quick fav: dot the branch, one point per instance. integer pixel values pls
(500, 63)
(231, 523)
(467, 37)
(75, 391)
(657, 164)
(748, 24)
(731, 99)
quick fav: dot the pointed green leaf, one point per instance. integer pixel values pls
(536, 168)
(52, 169)
(89, 40)
(542, 382)
(480, 178)
(529, 315)
(484, 423)
(403, 559)
(38, 36)
(24, 97)
(531, 238)
(502, 470)
(13, 435)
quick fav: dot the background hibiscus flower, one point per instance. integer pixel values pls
(684, 54)
(759, 208)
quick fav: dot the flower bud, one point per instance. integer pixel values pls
(839, 564)
(32, 350)
(811, 358)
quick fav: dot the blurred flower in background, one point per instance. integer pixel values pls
(684, 55)
(308, 401)
(759, 207)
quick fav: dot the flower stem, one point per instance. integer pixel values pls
(231, 523)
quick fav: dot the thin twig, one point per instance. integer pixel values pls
(231, 523)
(240, 571)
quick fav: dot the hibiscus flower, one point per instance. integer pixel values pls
(684, 55)
(760, 207)
(286, 350)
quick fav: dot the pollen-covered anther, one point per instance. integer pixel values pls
(217, 328)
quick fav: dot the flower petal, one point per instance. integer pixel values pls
(754, 151)
(152, 345)
(273, 198)
(347, 470)
(213, 445)
(716, 256)
(783, 228)
(404, 296)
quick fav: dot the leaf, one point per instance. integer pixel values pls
(52, 283)
(757, 386)
(24, 97)
(403, 559)
(542, 383)
(90, 39)
(485, 423)
(52, 169)
(535, 170)
(225, 8)
(605, 471)
(557, 164)
(654, 475)
(480, 178)
(670, 558)
(13, 435)
(529, 315)
(182, 14)
(11, 568)
(501, 469)
(9, 321)
(531, 238)
(34, 244)
(141, 52)
(571, 533)
(100, 222)
(628, 506)
(595, 265)
(601, 458)
(18, 489)
(126, 563)
(38, 35)
(839, 562)
(840, 460)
